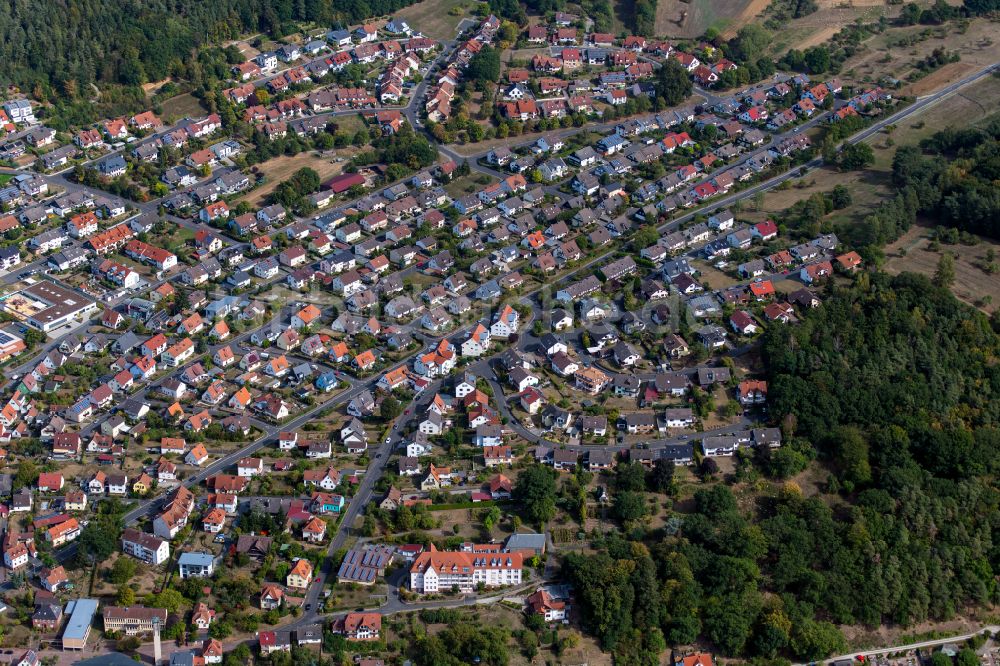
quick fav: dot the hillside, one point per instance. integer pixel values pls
(887, 391)
(131, 42)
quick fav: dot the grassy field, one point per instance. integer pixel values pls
(349, 123)
(182, 106)
(687, 20)
(973, 285)
(620, 9)
(436, 18)
(822, 24)
(890, 54)
(816, 28)
(712, 277)
(463, 185)
(523, 56)
(971, 105)
(867, 188)
(728, 16)
(280, 168)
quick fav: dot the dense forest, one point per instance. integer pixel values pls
(892, 388)
(644, 18)
(960, 189)
(895, 384)
(779, 12)
(402, 153)
(129, 42)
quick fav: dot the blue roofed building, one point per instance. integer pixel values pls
(326, 381)
(185, 658)
(81, 614)
(112, 166)
(517, 543)
(196, 565)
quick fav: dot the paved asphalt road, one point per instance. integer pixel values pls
(920, 645)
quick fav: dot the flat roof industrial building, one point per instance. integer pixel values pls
(47, 305)
(81, 617)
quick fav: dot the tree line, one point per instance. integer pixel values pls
(954, 174)
(890, 381)
(887, 388)
(402, 153)
(644, 18)
(49, 50)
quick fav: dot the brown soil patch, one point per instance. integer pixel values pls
(670, 17)
(248, 51)
(819, 37)
(938, 79)
(151, 88)
(281, 168)
(851, 3)
(749, 13)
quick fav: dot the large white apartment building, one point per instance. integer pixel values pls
(435, 570)
(145, 547)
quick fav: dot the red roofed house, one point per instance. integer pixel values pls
(542, 603)
(705, 190)
(344, 182)
(696, 659)
(214, 211)
(849, 262)
(752, 391)
(743, 323)
(50, 482)
(145, 121)
(500, 487)
(314, 530)
(765, 230)
(817, 271)
(495, 456)
(359, 626)
(762, 290)
(521, 110)
(435, 570)
(780, 312)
